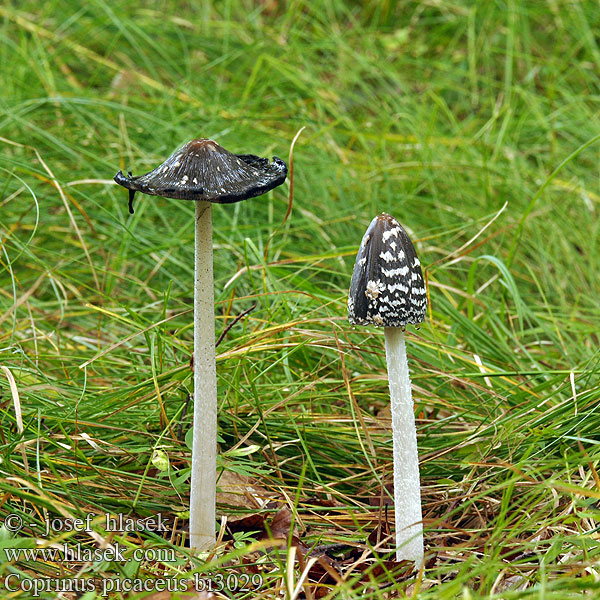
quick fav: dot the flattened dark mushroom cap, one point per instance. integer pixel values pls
(387, 287)
(203, 170)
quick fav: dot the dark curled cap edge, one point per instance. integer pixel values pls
(387, 287)
(203, 170)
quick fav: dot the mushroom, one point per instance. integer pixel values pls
(203, 171)
(387, 290)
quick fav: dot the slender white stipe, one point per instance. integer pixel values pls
(204, 451)
(407, 485)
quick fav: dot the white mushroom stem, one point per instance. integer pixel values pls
(407, 485)
(204, 449)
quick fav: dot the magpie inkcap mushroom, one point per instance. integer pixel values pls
(387, 290)
(203, 170)
(387, 287)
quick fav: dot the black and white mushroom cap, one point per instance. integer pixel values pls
(387, 287)
(203, 170)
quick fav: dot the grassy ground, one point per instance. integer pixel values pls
(475, 125)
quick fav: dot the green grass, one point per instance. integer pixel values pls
(476, 125)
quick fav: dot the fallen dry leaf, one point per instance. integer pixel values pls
(277, 528)
(240, 491)
(281, 523)
(253, 522)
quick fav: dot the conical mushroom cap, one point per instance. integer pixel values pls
(203, 170)
(387, 287)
